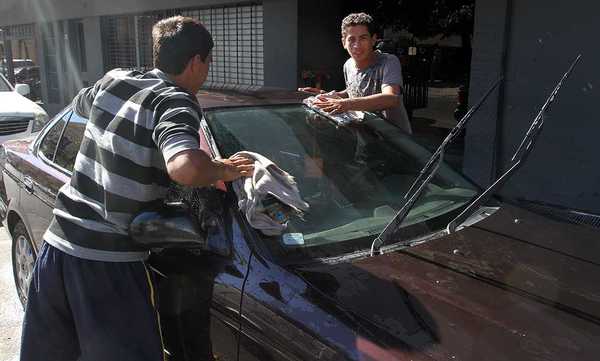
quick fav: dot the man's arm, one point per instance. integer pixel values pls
(176, 135)
(194, 168)
(83, 100)
(388, 98)
(316, 91)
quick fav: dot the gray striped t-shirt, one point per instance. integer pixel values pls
(386, 70)
(135, 123)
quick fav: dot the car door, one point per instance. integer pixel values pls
(200, 296)
(42, 179)
(277, 306)
(225, 313)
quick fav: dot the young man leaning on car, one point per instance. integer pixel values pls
(91, 295)
(373, 79)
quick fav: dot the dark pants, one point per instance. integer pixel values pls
(87, 310)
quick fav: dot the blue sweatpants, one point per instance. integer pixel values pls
(84, 310)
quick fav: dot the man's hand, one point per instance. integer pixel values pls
(236, 167)
(311, 90)
(333, 105)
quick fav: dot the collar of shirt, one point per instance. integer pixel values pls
(378, 60)
(161, 75)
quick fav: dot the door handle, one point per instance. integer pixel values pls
(28, 184)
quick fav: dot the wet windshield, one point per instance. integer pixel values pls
(354, 177)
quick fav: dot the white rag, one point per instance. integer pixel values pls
(267, 179)
(344, 118)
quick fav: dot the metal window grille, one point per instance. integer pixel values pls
(21, 39)
(237, 32)
(49, 46)
(118, 36)
(77, 44)
(238, 36)
(23, 31)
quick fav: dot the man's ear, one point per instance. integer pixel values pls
(189, 66)
(196, 60)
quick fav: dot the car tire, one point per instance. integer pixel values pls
(23, 260)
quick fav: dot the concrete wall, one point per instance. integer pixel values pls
(543, 40)
(486, 65)
(319, 40)
(280, 30)
(281, 43)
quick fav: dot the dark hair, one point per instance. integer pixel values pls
(359, 19)
(176, 40)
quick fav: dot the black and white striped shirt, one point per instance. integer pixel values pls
(136, 123)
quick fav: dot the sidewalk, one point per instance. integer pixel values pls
(440, 110)
(432, 124)
(11, 312)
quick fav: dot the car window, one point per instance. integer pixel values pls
(4, 87)
(354, 177)
(51, 137)
(70, 141)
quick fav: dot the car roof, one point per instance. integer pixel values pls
(226, 97)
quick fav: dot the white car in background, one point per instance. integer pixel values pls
(19, 116)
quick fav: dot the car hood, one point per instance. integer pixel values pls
(13, 103)
(508, 288)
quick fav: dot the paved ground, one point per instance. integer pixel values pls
(440, 111)
(11, 312)
(432, 124)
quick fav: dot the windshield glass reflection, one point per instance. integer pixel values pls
(353, 177)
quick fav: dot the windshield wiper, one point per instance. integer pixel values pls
(426, 174)
(517, 159)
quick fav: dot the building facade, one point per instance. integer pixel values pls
(74, 42)
(289, 43)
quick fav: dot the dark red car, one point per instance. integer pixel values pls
(509, 285)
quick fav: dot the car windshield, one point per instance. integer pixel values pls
(4, 87)
(353, 177)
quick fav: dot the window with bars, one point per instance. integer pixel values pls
(238, 36)
(21, 39)
(22, 31)
(118, 37)
(237, 32)
(49, 33)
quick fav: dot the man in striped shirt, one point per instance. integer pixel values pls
(91, 295)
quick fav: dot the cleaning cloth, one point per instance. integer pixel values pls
(344, 118)
(268, 185)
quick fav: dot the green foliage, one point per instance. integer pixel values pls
(425, 18)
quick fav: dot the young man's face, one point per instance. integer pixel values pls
(359, 42)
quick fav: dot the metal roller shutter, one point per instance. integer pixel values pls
(237, 32)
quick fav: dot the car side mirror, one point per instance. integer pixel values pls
(171, 227)
(22, 89)
(194, 218)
